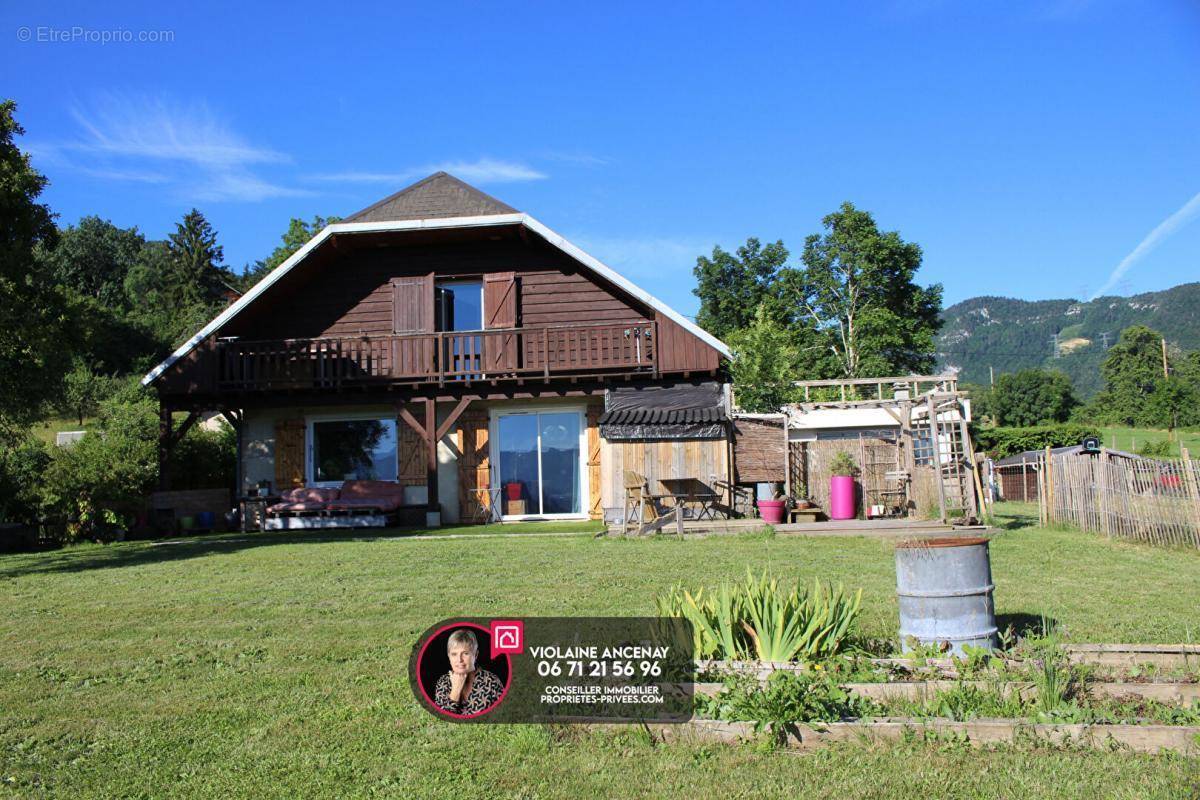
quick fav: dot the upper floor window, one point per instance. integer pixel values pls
(458, 305)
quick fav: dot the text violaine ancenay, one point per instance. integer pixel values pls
(594, 652)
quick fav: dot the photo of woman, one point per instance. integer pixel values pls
(466, 689)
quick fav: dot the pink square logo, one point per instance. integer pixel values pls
(508, 637)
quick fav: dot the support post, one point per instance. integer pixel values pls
(164, 448)
(1049, 486)
(1105, 524)
(431, 468)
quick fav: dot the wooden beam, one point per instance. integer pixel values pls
(454, 415)
(234, 418)
(178, 435)
(407, 416)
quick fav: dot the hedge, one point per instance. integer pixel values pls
(1002, 442)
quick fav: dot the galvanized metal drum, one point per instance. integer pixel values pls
(945, 592)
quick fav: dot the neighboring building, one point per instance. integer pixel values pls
(441, 340)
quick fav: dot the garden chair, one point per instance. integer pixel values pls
(641, 506)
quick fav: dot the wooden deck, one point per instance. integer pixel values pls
(872, 528)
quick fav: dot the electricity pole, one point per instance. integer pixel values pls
(1054, 344)
(1104, 339)
(991, 377)
(1166, 372)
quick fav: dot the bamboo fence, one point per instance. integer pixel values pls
(1157, 502)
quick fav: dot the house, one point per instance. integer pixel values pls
(442, 341)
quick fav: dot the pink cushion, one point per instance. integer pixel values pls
(307, 495)
(352, 490)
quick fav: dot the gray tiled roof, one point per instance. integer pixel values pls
(438, 196)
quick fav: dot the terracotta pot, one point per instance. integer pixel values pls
(771, 511)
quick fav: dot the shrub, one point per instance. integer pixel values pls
(1159, 449)
(1001, 442)
(843, 464)
(100, 482)
(758, 618)
(23, 459)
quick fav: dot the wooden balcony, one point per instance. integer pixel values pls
(441, 358)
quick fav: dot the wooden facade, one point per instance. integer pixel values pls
(354, 320)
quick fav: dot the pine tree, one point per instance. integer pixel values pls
(197, 275)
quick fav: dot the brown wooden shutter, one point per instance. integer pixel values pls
(593, 444)
(412, 313)
(289, 454)
(410, 452)
(500, 311)
(474, 472)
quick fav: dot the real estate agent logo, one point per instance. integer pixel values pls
(508, 637)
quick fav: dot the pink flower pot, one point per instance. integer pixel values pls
(771, 511)
(842, 499)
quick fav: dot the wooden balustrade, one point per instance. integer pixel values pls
(439, 357)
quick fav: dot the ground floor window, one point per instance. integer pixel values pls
(351, 449)
(540, 458)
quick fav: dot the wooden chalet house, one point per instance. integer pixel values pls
(441, 340)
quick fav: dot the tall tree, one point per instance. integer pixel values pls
(32, 356)
(765, 364)
(731, 287)
(1131, 371)
(197, 273)
(93, 259)
(857, 288)
(296, 236)
(1032, 397)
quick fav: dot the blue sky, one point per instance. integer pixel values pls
(1030, 148)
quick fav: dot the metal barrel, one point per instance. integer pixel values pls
(945, 591)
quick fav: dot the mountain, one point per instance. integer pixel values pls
(1008, 334)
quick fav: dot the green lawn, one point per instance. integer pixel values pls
(1132, 439)
(274, 666)
(48, 429)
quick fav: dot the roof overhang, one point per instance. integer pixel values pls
(491, 220)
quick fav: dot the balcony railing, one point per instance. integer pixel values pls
(442, 357)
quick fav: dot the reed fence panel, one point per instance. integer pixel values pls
(1144, 500)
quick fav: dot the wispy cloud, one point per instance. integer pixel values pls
(482, 170)
(582, 159)
(1156, 237)
(155, 140)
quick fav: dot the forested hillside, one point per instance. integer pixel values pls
(1008, 334)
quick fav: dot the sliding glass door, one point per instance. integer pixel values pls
(540, 462)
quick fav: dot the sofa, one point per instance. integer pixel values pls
(357, 504)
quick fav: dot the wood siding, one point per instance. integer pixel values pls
(681, 351)
(290, 454)
(704, 460)
(474, 467)
(354, 296)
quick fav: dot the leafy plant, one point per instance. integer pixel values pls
(762, 619)
(843, 464)
(785, 698)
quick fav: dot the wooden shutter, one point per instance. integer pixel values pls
(474, 472)
(595, 511)
(500, 311)
(412, 313)
(289, 454)
(410, 452)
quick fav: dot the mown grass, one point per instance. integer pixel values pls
(274, 666)
(1132, 439)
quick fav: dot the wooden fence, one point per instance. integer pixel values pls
(1157, 502)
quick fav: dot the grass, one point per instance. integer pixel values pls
(1132, 439)
(274, 666)
(49, 429)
